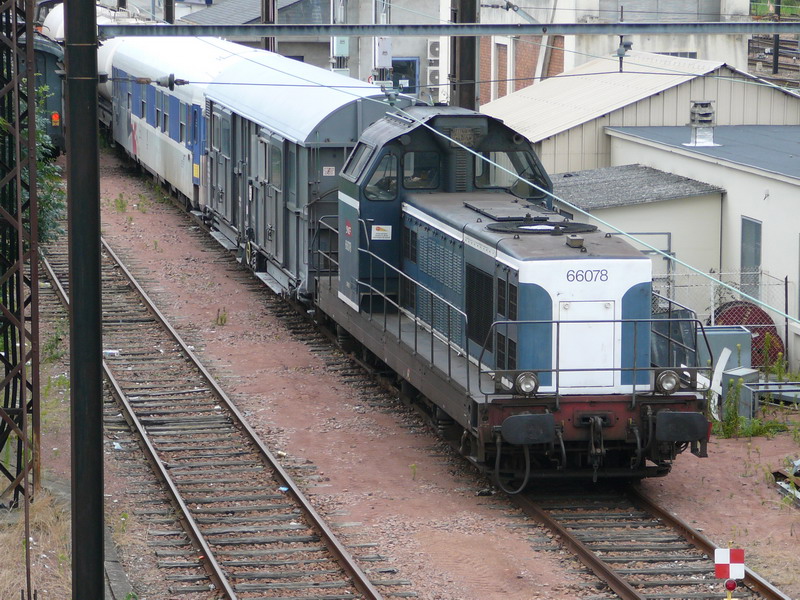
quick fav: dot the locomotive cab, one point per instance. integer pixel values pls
(422, 151)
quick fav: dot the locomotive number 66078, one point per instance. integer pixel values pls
(587, 275)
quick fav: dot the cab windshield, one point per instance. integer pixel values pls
(511, 171)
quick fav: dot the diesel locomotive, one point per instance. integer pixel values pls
(427, 237)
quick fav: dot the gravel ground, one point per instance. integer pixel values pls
(381, 472)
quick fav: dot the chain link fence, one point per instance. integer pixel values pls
(717, 305)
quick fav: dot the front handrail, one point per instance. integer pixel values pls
(687, 372)
(454, 336)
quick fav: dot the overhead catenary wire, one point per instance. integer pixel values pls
(608, 225)
(570, 205)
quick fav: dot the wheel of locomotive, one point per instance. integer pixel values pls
(249, 255)
(344, 340)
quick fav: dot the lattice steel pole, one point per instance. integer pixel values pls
(19, 321)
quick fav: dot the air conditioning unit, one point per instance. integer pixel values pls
(383, 53)
(433, 76)
(341, 46)
(433, 49)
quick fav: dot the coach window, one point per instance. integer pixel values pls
(182, 130)
(225, 137)
(143, 102)
(276, 167)
(159, 102)
(165, 113)
(421, 170)
(215, 132)
(382, 184)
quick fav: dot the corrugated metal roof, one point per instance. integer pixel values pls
(770, 148)
(592, 90)
(231, 12)
(625, 186)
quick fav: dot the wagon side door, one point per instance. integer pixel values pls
(220, 156)
(275, 223)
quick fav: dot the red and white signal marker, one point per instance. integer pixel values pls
(729, 563)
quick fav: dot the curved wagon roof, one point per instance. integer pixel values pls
(300, 102)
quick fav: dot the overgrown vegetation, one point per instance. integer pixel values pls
(734, 425)
(50, 193)
(50, 545)
(765, 8)
(121, 203)
(54, 348)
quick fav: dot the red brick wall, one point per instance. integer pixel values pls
(527, 54)
(485, 54)
(556, 56)
(502, 70)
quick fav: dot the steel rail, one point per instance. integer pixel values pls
(751, 579)
(621, 587)
(329, 539)
(210, 564)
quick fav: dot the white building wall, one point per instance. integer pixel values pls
(412, 12)
(759, 195)
(578, 49)
(587, 147)
(687, 227)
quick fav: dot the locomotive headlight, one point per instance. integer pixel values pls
(527, 383)
(667, 382)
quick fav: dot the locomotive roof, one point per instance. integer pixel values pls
(524, 230)
(411, 118)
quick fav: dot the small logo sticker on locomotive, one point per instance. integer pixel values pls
(348, 228)
(329, 171)
(381, 232)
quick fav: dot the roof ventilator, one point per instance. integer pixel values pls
(702, 124)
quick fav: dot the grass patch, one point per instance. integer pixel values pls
(121, 203)
(733, 425)
(51, 564)
(53, 349)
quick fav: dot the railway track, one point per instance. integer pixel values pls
(637, 549)
(239, 526)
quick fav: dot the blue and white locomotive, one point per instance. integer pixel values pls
(534, 342)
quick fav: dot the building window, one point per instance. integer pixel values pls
(750, 265)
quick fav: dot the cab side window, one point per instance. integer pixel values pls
(382, 184)
(421, 170)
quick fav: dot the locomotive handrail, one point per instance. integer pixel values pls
(447, 338)
(331, 256)
(683, 370)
